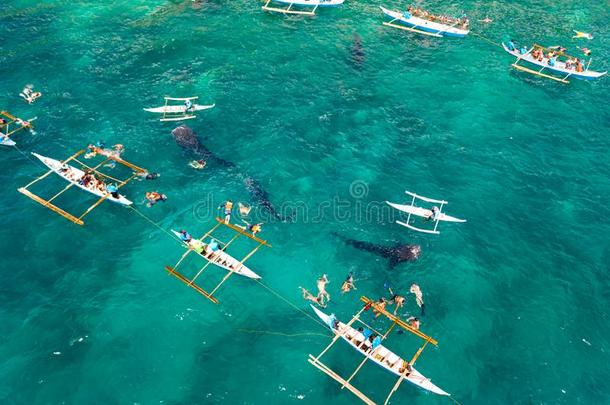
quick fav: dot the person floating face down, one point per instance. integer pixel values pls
(348, 284)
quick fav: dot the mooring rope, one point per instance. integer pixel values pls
(269, 332)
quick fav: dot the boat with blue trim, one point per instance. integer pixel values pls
(422, 22)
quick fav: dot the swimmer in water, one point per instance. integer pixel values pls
(310, 297)
(197, 164)
(418, 297)
(580, 34)
(413, 322)
(486, 20)
(348, 284)
(397, 300)
(244, 210)
(321, 284)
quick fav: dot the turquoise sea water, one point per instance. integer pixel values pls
(517, 296)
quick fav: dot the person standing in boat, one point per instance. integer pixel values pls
(228, 209)
(188, 106)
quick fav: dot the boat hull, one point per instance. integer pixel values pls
(178, 109)
(8, 142)
(425, 25)
(73, 175)
(559, 67)
(414, 377)
(225, 261)
(423, 212)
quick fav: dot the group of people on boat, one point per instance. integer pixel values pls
(88, 180)
(462, 23)
(549, 56)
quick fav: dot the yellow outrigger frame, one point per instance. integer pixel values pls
(345, 383)
(20, 124)
(191, 282)
(74, 218)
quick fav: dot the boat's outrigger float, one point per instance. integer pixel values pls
(10, 125)
(375, 352)
(179, 112)
(210, 248)
(435, 214)
(556, 66)
(86, 178)
(302, 4)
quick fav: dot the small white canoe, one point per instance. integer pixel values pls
(423, 212)
(72, 175)
(219, 257)
(178, 109)
(381, 355)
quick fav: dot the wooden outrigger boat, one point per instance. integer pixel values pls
(557, 67)
(10, 125)
(92, 180)
(218, 257)
(430, 25)
(302, 4)
(435, 214)
(377, 353)
(179, 112)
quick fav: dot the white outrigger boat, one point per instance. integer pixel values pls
(179, 112)
(303, 4)
(557, 66)
(426, 26)
(90, 179)
(218, 257)
(72, 175)
(380, 355)
(368, 342)
(435, 214)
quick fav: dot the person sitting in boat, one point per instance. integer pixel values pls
(213, 245)
(523, 50)
(188, 105)
(333, 322)
(434, 213)
(154, 197)
(185, 236)
(579, 66)
(552, 60)
(113, 190)
(511, 45)
(376, 342)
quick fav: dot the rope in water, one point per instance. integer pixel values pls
(486, 39)
(271, 290)
(269, 332)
